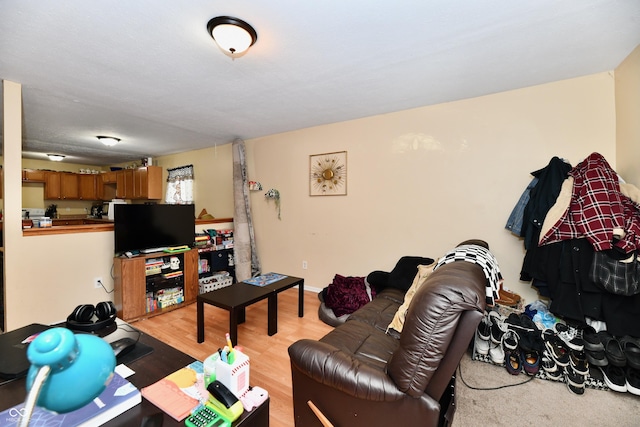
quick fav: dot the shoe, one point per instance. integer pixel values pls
(498, 327)
(513, 362)
(612, 349)
(510, 340)
(527, 323)
(596, 358)
(632, 380)
(614, 378)
(514, 322)
(550, 367)
(575, 381)
(557, 350)
(496, 353)
(530, 362)
(481, 346)
(548, 364)
(504, 300)
(484, 328)
(591, 339)
(578, 362)
(569, 335)
(631, 351)
(505, 294)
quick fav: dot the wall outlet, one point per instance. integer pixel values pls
(304, 265)
(97, 282)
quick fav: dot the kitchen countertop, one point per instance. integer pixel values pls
(93, 225)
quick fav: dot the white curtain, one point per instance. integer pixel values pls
(180, 186)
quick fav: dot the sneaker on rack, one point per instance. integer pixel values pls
(550, 367)
(530, 362)
(498, 328)
(569, 335)
(480, 345)
(556, 349)
(484, 328)
(513, 362)
(632, 379)
(575, 381)
(578, 362)
(510, 340)
(496, 353)
(614, 378)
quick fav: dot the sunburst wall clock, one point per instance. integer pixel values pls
(328, 174)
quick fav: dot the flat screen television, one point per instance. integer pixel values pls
(142, 227)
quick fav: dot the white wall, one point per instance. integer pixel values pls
(464, 167)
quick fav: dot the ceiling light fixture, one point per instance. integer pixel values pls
(55, 157)
(232, 35)
(109, 141)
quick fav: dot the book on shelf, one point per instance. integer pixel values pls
(119, 396)
(180, 393)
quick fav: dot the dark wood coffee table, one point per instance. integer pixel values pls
(237, 297)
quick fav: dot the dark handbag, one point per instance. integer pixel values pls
(617, 277)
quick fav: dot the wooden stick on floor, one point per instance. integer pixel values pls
(324, 420)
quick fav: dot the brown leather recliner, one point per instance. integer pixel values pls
(361, 375)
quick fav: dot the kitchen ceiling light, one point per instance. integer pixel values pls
(109, 141)
(55, 157)
(232, 35)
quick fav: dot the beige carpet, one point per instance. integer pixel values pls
(537, 403)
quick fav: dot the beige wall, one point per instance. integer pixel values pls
(628, 117)
(419, 181)
(45, 276)
(213, 171)
(422, 180)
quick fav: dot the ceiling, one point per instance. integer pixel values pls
(146, 71)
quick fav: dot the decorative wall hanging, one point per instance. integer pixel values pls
(274, 195)
(255, 186)
(328, 174)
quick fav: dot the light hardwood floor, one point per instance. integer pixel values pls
(270, 368)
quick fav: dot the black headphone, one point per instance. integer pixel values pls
(81, 319)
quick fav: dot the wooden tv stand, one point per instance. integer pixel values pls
(139, 279)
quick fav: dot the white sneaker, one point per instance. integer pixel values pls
(481, 346)
(496, 352)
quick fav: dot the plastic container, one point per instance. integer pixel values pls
(209, 368)
(234, 376)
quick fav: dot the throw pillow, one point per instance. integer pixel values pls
(423, 273)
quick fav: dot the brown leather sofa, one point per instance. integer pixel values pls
(360, 374)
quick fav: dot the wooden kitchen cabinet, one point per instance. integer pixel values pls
(52, 186)
(147, 183)
(124, 184)
(108, 177)
(33, 175)
(88, 186)
(139, 183)
(61, 186)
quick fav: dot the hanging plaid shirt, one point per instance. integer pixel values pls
(479, 256)
(597, 207)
